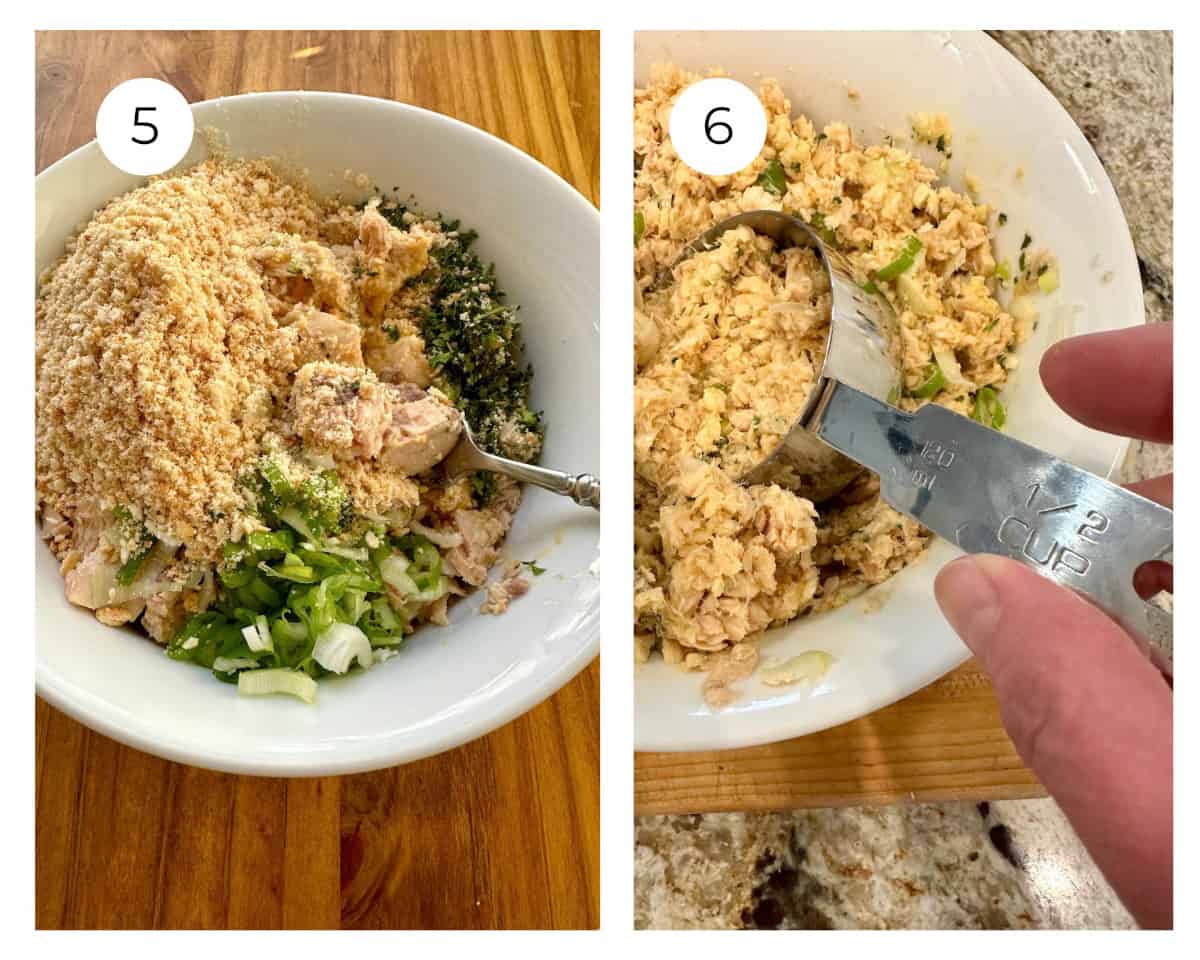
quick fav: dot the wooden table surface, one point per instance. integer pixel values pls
(944, 742)
(501, 833)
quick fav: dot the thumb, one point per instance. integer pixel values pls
(1087, 711)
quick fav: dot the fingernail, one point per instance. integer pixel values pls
(968, 597)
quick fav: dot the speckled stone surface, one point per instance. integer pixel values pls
(1119, 88)
(1010, 864)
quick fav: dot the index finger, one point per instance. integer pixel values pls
(1119, 382)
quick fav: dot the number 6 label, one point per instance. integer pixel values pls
(144, 126)
(718, 126)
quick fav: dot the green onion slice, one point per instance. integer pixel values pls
(988, 409)
(773, 179)
(904, 261)
(257, 683)
(131, 567)
(828, 236)
(933, 382)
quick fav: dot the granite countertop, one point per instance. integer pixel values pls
(1008, 864)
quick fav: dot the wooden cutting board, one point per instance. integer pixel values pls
(501, 833)
(945, 742)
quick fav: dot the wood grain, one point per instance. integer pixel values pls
(502, 833)
(945, 742)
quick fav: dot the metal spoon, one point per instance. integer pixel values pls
(974, 486)
(467, 457)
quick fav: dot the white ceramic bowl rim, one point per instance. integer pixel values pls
(885, 655)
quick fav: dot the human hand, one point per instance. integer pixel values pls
(1086, 709)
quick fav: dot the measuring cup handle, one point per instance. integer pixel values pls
(989, 493)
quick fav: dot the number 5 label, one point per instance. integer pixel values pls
(718, 126)
(144, 126)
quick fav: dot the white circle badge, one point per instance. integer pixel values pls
(144, 126)
(718, 126)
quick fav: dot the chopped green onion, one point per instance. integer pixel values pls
(348, 553)
(426, 566)
(1048, 280)
(263, 593)
(893, 396)
(870, 287)
(293, 518)
(1002, 219)
(418, 580)
(205, 637)
(230, 664)
(773, 179)
(1004, 270)
(988, 409)
(382, 625)
(236, 577)
(255, 683)
(276, 486)
(639, 226)
(258, 635)
(904, 260)
(268, 543)
(534, 568)
(133, 532)
(130, 568)
(828, 236)
(340, 645)
(933, 382)
(295, 604)
(291, 569)
(290, 640)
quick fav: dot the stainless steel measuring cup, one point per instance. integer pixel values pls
(974, 486)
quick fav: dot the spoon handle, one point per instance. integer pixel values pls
(583, 488)
(989, 493)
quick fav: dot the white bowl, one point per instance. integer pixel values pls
(1004, 121)
(449, 684)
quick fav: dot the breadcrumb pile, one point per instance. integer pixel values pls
(159, 361)
(725, 358)
(169, 334)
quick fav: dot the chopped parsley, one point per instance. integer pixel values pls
(483, 487)
(472, 340)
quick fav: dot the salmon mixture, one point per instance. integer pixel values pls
(245, 394)
(727, 350)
